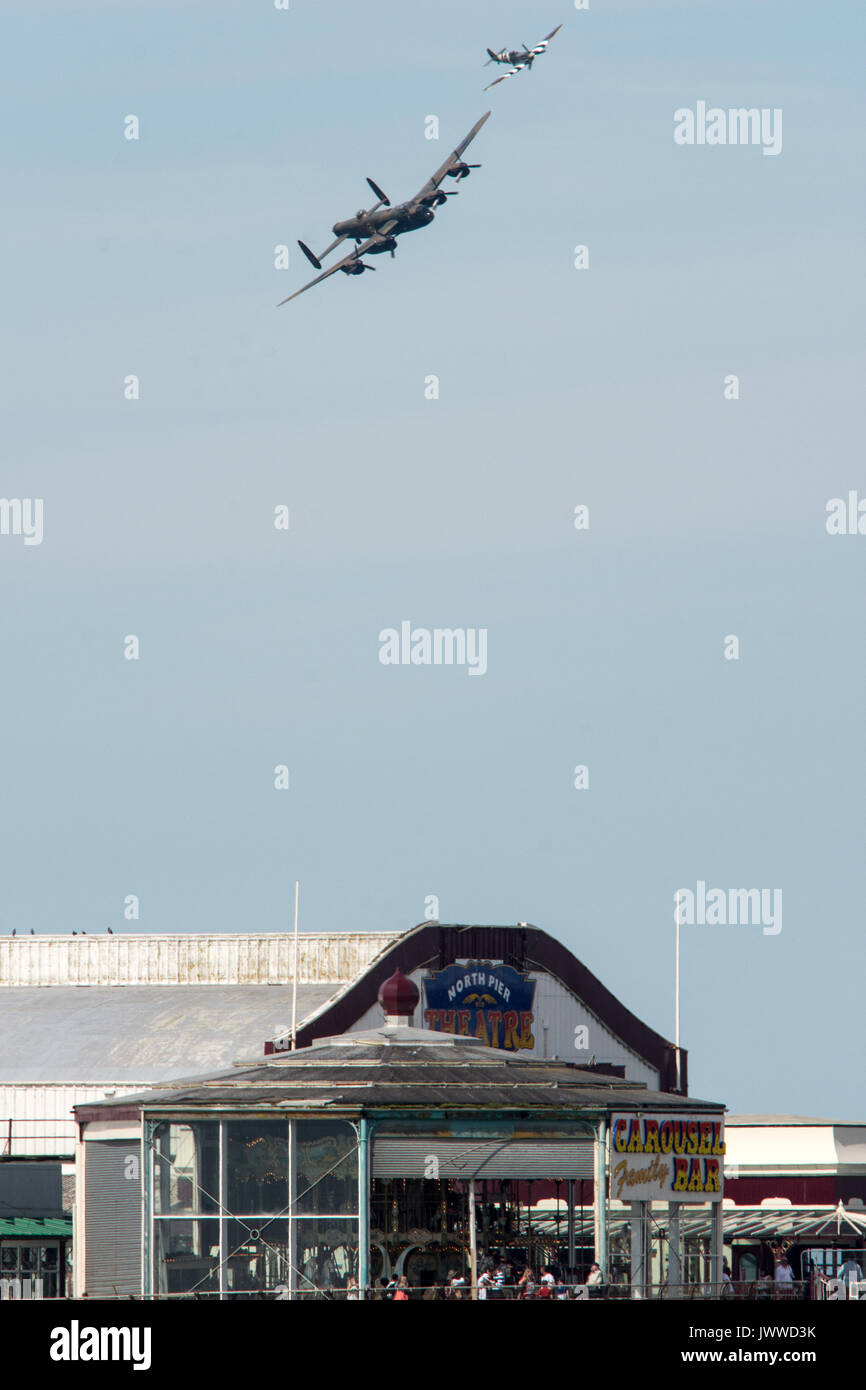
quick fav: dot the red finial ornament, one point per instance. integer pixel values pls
(398, 996)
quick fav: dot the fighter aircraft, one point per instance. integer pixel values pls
(376, 229)
(517, 58)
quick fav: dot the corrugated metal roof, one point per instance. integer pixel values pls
(146, 1032)
(190, 958)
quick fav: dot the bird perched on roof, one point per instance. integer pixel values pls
(110, 932)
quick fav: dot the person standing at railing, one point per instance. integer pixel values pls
(850, 1273)
(526, 1285)
(784, 1278)
(497, 1291)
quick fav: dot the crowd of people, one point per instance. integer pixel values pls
(500, 1279)
(497, 1279)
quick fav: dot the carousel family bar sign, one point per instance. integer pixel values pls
(482, 1000)
(675, 1158)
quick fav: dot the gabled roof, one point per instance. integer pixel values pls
(435, 945)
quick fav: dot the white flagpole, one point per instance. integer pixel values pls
(295, 975)
(677, 987)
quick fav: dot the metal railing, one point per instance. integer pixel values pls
(798, 1291)
(15, 1135)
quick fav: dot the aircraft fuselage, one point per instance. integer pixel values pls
(513, 57)
(408, 217)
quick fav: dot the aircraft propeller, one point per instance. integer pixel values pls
(436, 199)
(461, 170)
(314, 260)
(384, 200)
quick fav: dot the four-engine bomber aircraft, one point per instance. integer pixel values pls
(376, 229)
(517, 58)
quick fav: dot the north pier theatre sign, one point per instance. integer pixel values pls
(482, 1000)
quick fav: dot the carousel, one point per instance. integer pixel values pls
(389, 1151)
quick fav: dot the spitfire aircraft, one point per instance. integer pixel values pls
(517, 58)
(375, 230)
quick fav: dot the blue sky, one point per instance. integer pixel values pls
(557, 387)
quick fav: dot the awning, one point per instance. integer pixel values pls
(399, 1157)
(34, 1227)
(793, 1223)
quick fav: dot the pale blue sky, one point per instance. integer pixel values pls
(557, 387)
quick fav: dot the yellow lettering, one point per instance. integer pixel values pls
(712, 1183)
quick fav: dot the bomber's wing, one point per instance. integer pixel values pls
(355, 255)
(333, 246)
(454, 158)
(540, 47)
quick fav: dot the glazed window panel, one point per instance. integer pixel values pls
(326, 1254)
(257, 1257)
(257, 1166)
(326, 1167)
(186, 1168)
(187, 1256)
(36, 1267)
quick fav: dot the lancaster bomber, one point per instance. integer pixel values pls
(376, 229)
(518, 58)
